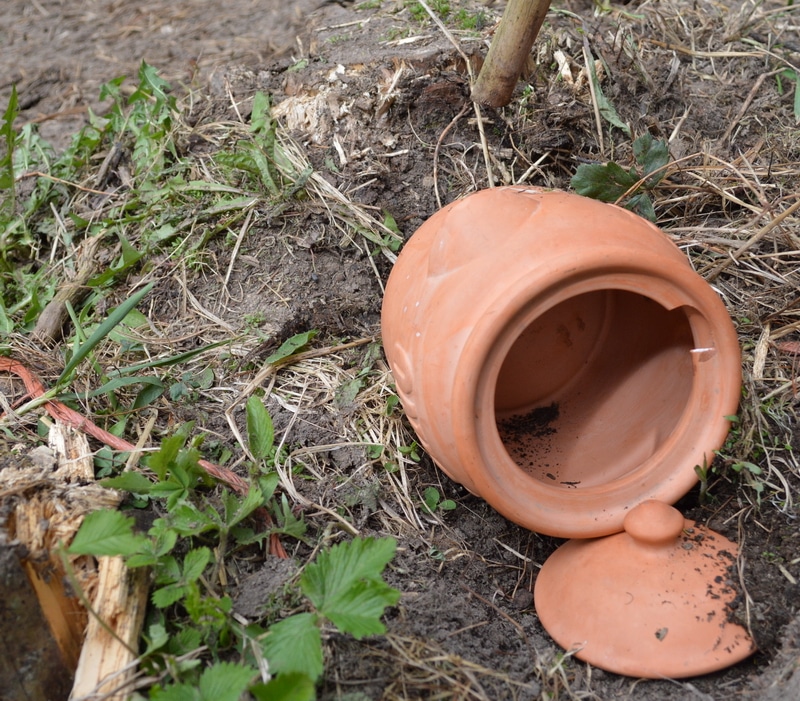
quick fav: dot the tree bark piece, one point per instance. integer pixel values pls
(510, 48)
(31, 664)
(45, 496)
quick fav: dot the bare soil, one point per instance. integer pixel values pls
(379, 102)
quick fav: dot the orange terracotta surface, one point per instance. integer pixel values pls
(559, 357)
(654, 601)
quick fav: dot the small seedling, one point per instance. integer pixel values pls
(433, 501)
(474, 21)
(419, 13)
(702, 472)
(411, 451)
(790, 75)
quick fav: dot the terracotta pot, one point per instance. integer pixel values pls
(559, 357)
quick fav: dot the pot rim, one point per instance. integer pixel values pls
(600, 509)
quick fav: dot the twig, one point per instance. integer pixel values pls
(444, 133)
(49, 325)
(747, 102)
(519, 628)
(46, 176)
(239, 239)
(587, 56)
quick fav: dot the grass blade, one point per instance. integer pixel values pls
(101, 332)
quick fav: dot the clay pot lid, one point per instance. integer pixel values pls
(653, 601)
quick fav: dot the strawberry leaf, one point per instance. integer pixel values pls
(652, 154)
(106, 532)
(345, 585)
(289, 686)
(606, 183)
(225, 681)
(294, 645)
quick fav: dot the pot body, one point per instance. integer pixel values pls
(559, 357)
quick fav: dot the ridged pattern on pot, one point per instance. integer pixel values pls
(559, 357)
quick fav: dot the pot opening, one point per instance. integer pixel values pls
(593, 387)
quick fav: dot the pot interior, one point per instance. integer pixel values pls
(594, 387)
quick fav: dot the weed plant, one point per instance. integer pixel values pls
(186, 550)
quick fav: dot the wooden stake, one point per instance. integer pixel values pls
(510, 47)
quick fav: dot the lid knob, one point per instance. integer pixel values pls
(654, 523)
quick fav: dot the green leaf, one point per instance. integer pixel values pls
(390, 223)
(796, 99)
(113, 385)
(150, 84)
(102, 331)
(162, 536)
(10, 137)
(294, 645)
(288, 523)
(238, 509)
(358, 611)
(176, 692)
(106, 532)
(652, 154)
(147, 395)
(345, 585)
(168, 570)
(173, 491)
(171, 360)
(225, 681)
(268, 484)
(291, 346)
(339, 568)
(289, 686)
(194, 563)
(260, 117)
(168, 595)
(642, 205)
(188, 520)
(431, 497)
(749, 466)
(184, 641)
(791, 75)
(606, 183)
(156, 637)
(130, 481)
(260, 430)
(347, 392)
(161, 461)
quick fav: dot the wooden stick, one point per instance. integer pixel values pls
(112, 637)
(510, 47)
